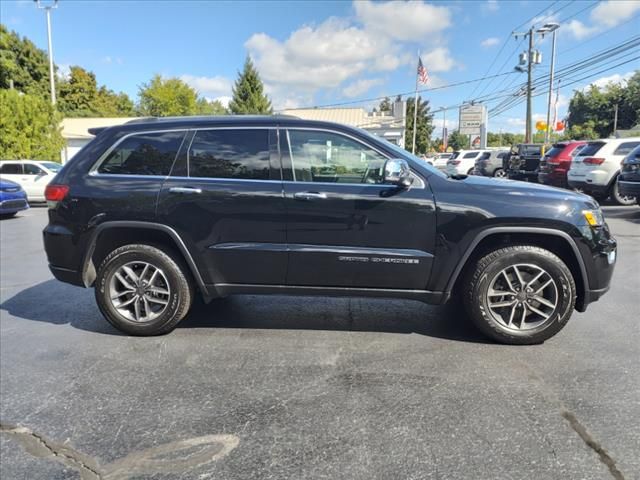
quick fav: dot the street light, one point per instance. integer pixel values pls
(47, 8)
(550, 28)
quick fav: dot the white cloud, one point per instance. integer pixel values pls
(607, 14)
(64, 71)
(439, 60)
(491, 5)
(490, 42)
(616, 78)
(578, 29)
(109, 60)
(210, 87)
(224, 100)
(360, 86)
(408, 21)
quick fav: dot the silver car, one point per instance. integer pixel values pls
(491, 166)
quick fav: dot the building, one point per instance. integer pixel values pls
(75, 131)
(388, 125)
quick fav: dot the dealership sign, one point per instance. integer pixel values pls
(473, 122)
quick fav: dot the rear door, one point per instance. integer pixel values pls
(345, 228)
(35, 181)
(12, 171)
(224, 198)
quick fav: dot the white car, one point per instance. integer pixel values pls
(441, 159)
(465, 161)
(32, 175)
(596, 167)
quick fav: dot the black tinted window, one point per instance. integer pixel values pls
(591, 148)
(11, 168)
(30, 169)
(230, 154)
(625, 148)
(470, 155)
(144, 154)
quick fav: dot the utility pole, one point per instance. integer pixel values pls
(615, 118)
(444, 128)
(47, 9)
(527, 132)
(550, 27)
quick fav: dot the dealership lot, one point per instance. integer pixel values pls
(284, 387)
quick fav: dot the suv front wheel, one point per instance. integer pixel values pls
(520, 295)
(142, 290)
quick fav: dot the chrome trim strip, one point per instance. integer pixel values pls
(321, 288)
(331, 249)
(220, 180)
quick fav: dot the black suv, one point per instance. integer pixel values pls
(156, 210)
(523, 162)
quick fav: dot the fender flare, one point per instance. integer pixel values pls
(88, 268)
(496, 230)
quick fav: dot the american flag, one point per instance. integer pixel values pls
(423, 75)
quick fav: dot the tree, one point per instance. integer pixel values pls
(248, 93)
(213, 107)
(163, 97)
(79, 96)
(458, 141)
(424, 126)
(591, 111)
(23, 64)
(29, 126)
(385, 105)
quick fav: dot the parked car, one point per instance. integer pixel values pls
(465, 161)
(522, 163)
(440, 161)
(629, 178)
(12, 199)
(556, 162)
(33, 176)
(153, 211)
(491, 165)
(596, 168)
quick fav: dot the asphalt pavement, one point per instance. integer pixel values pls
(254, 387)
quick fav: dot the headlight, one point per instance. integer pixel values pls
(593, 217)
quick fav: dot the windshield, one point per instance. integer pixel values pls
(529, 149)
(54, 167)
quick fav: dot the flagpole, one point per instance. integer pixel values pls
(415, 110)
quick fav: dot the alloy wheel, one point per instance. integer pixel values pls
(139, 291)
(522, 297)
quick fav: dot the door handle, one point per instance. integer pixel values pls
(309, 196)
(189, 190)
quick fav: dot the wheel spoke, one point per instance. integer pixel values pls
(520, 279)
(120, 294)
(147, 308)
(144, 271)
(158, 290)
(130, 273)
(544, 285)
(524, 315)
(159, 301)
(539, 312)
(128, 302)
(507, 303)
(540, 273)
(124, 282)
(544, 301)
(153, 276)
(498, 293)
(513, 314)
(510, 285)
(136, 307)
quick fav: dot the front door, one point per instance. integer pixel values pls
(224, 198)
(345, 228)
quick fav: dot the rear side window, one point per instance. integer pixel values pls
(11, 168)
(144, 154)
(591, 148)
(625, 148)
(485, 155)
(556, 150)
(234, 153)
(30, 169)
(470, 155)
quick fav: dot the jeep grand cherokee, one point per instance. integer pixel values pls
(152, 212)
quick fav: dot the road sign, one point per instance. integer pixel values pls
(473, 122)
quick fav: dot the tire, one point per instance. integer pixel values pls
(501, 323)
(5, 216)
(470, 172)
(499, 173)
(163, 298)
(618, 198)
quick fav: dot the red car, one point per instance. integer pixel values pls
(556, 163)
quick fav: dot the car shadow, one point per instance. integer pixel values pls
(59, 304)
(630, 213)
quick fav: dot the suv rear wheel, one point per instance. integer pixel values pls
(142, 290)
(520, 294)
(620, 199)
(499, 173)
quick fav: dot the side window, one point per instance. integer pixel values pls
(318, 156)
(470, 155)
(233, 153)
(485, 155)
(144, 154)
(30, 169)
(625, 148)
(11, 168)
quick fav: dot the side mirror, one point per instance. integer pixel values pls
(397, 172)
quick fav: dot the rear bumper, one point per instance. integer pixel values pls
(523, 175)
(12, 205)
(589, 187)
(555, 179)
(62, 249)
(65, 275)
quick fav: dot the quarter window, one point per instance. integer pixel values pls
(144, 154)
(625, 148)
(233, 153)
(30, 169)
(318, 156)
(11, 168)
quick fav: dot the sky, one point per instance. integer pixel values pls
(316, 53)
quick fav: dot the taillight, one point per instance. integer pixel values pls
(55, 193)
(593, 161)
